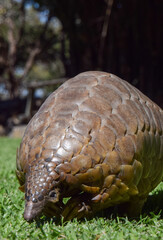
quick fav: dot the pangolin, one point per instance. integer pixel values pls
(96, 140)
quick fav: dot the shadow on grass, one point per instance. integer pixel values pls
(43, 220)
(153, 205)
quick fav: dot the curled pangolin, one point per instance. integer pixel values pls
(97, 140)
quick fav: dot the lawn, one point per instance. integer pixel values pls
(13, 226)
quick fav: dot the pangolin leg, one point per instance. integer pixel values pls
(83, 205)
(53, 209)
(133, 208)
(77, 207)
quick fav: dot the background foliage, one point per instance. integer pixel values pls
(40, 40)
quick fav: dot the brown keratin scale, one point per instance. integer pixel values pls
(97, 140)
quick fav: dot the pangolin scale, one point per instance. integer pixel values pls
(97, 140)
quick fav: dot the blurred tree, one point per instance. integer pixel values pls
(26, 37)
(121, 36)
(84, 29)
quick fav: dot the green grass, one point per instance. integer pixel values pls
(13, 226)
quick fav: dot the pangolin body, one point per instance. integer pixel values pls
(97, 140)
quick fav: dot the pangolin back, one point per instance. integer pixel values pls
(96, 139)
